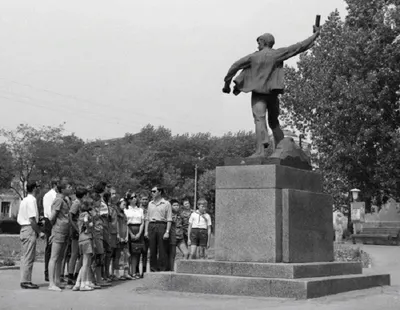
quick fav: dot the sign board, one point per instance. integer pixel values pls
(358, 212)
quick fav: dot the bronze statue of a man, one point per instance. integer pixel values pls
(262, 75)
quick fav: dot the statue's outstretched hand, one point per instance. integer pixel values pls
(226, 89)
(316, 29)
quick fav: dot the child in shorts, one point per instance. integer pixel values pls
(85, 243)
(98, 261)
(199, 230)
(80, 193)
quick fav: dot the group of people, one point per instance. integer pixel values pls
(92, 231)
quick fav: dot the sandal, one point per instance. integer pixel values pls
(86, 288)
(95, 286)
(137, 276)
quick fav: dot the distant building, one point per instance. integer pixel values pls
(9, 203)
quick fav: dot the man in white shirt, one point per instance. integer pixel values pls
(28, 217)
(48, 200)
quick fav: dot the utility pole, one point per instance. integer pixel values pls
(195, 187)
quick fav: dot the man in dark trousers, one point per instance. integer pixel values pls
(157, 227)
(262, 75)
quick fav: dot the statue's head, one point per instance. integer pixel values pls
(265, 40)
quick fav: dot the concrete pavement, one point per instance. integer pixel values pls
(131, 295)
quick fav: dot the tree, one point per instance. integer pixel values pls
(135, 162)
(6, 167)
(343, 94)
(207, 189)
(55, 158)
(23, 144)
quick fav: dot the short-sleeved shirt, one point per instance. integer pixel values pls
(48, 200)
(160, 211)
(85, 231)
(122, 225)
(97, 223)
(177, 226)
(113, 227)
(61, 222)
(144, 212)
(27, 209)
(134, 215)
(104, 213)
(74, 210)
(200, 220)
(185, 215)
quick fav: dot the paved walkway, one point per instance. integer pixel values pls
(128, 295)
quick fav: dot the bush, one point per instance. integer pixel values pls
(7, 262)
(349, 253)
(9, 226)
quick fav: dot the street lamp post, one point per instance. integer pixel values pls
(195, 187)
(354, 192)
(357, 210)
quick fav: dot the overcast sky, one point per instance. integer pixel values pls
(110, 67)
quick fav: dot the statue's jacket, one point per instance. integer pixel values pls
(262, 71)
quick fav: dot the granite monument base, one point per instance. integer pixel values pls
(272, 214)
(273, 238)
(299, 281)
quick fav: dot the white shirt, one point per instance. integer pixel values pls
(48, 200)
(103, 208)
(27, 209)
(200, 220)
(134, 215)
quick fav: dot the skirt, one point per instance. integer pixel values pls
(135, 246)
(85, 247)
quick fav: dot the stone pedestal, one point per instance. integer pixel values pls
(273, 237)
(271, 214)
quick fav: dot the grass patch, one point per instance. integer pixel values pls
(11, 247)
(351, 253)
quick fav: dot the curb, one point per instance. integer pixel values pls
(9, 268)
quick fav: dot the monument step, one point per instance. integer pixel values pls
(263, 287)
(268, 270)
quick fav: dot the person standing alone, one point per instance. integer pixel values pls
(28, 217)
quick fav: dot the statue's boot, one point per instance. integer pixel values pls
(278, 135)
